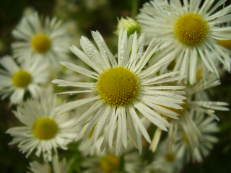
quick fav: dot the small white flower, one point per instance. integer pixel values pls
(189, 32)
(196, 102)
(194, 136)
(44, 128)
(16, 79)
(40, 38)
(108, 163)
(193, 133)
(122, 90)
(165, 160)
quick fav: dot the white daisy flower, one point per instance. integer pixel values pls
(196, 101)
(44, 128)
(189, 31)
(41, 38)
(165, 160)
(109, 163)
(194, 135)
(102, 164)
(122, 90)
(16, 79)
(56, 165)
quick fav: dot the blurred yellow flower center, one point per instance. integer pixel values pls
(118, 86)
(170, 157)
(225, 43)
(199, 74)
(40, 43)
(21, 79)
(191, 29)
(110, 164)
(45, 128)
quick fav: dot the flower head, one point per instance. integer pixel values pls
(38, 37)
(17, 79)
(122, 91)
(44, 128)
(189, 31)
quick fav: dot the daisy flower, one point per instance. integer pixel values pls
(165, 160)
(44, 128)
(196, 101)
(40, 38)
(109, 163)
(16, 79)
(193, 132)
(188, 31)
(103, 164)
(194, 136)
(122, 90)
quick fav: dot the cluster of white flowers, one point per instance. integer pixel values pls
(157, 79)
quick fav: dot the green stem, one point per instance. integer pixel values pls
(134, 10)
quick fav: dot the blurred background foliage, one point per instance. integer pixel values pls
(82, 16)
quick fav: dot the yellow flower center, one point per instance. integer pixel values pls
(110, 164)
(40, 43)
(21, 79)
(225, 43)
(45, 128)
(170, 157)
(118, 86)
(191, 29)
(199, 74)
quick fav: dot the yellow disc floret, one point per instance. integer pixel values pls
(191, 29)
(21, 79)
(170, 157)
(118, 86)
(225, 43)
(41, 43)
(45, 128)
(110, 163)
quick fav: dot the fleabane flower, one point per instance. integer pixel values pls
(165, 160)
(121, 90)
(193, 133)
(189, 32)
(38, 37)
(44, 129)
(194, 136)
(16, 79)
(109, 163)
(197, 102)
